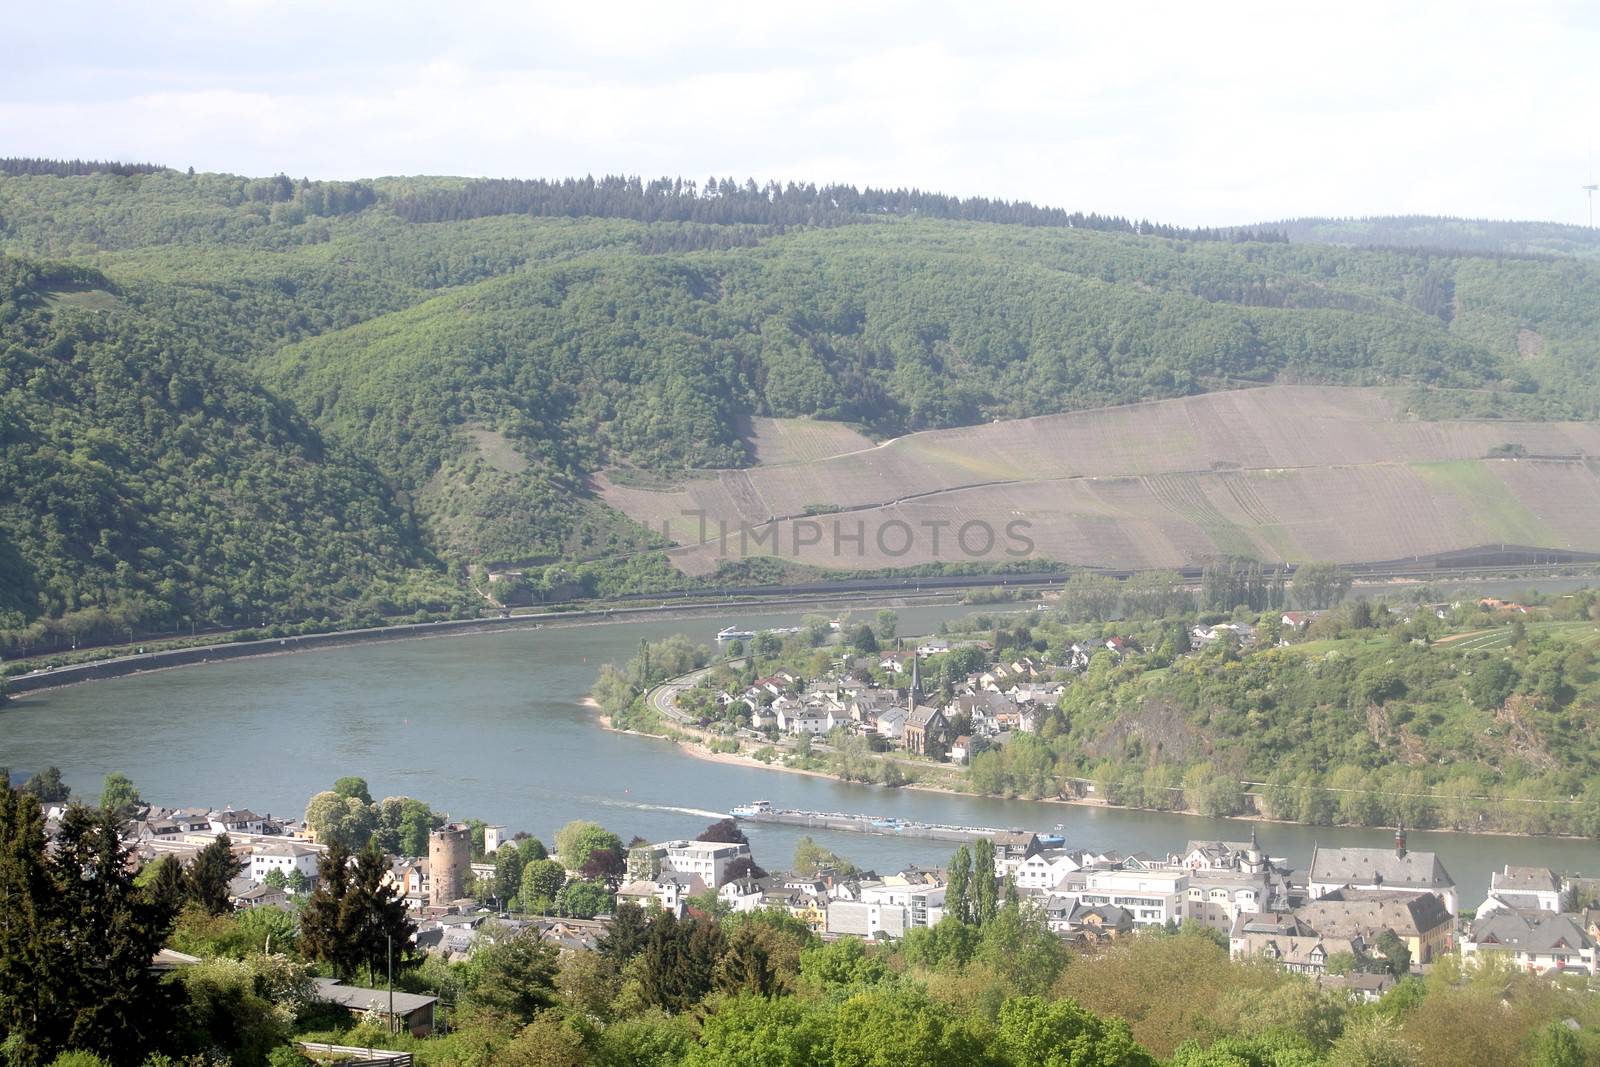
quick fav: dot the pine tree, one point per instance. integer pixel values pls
(516, 979)
(323, 932)
(985, 888)
(626, 936)
(375, 916)
(101, 931)
(746, 967)
(169, 886)
(213, 869)
(26, 930)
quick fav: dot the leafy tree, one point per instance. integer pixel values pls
(1491, 683)
(542, 880)
(336, 819)
(508, 867)
(579, 839)
(119, 796)
(725, 831)
(583, 899)
(1031, 1031)
(811, 858)
(353, 788)
(1319, 585)
(1395, 951)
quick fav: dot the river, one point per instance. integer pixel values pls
(492, 726)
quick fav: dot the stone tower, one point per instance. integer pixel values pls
(449, 859)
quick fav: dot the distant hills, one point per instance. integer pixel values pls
(272, 399)
(1478, 236)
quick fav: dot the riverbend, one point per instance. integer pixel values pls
(493, 726)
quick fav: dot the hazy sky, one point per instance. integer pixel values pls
(1188, 113)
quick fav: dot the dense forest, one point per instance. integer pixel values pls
(448, 387)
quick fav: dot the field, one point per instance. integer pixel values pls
(1278, 474)
(775, 442)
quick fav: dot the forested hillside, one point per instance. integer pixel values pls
(457, 358)
(1478, 236)
(145, 485)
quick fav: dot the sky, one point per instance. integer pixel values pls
(1192, 113)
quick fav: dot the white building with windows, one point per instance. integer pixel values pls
(285, 856)
(707, 860)
(1151, 896)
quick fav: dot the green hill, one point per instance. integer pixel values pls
(417, 374)
(1476, 236)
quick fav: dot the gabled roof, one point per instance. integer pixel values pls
(1524, 880)
(922, 715)
(1531, 931)
(1407, 914)
(1379, 867)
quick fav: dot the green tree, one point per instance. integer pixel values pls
(958, 880)
(211, 872)
(626, 935)
(353, 788)
(582, 899)
(1395, 951)
(341, 820)
(330, 931)
(76, 940)
(578, 839)
(47, 786)
(508, 865)
(541, 882)
(985, 884)
(119, 796)
(1034, 1033)
(516, 979)
(746, 967)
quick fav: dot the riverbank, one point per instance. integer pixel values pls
(38, 681)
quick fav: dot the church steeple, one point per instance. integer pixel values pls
(915, 696)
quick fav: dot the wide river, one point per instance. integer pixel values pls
(491, 726)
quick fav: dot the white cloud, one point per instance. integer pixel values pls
(1181, 112)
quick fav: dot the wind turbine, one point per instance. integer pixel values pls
(1591, 188)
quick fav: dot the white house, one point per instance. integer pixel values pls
(805, 719)
(1535, 940)
(1045, 870)
(1523, 889)
(1151, 896)
(229, 821)
(285, 856)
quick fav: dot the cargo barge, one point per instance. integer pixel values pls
(889, 825)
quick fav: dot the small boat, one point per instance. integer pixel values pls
(733, 633)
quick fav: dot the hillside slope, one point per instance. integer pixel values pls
(1278, 474)
(461, 358)
(144, 485)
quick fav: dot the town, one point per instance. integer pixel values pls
(1353, 920)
